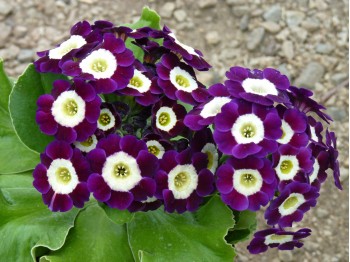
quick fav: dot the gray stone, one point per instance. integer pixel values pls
(284, 70)
(167, 10)
(207, 3)
(255, 38)
(25, 55)
(243, 25)
(20, 31)
(5, 8)
(288, 49)
(312, 74)
(324, 48)
(236, 2)
(240, 11)
(5, 33)
(271, 27)
(273, 13)
(285, 256)
(294, 18)
(270, 46)
(338, 114)
(322, 213)
(344, 174)
(311, 24)
(212, 38)
(299, 33)
(180, 15)
(339, 78)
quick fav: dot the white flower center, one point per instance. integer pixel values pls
(165, 118)
(315, 171)
(149, 200)
(74, 42)
(247, 181)
(189, 49)
(182, 181)
(287, 167)
(87, 145)
(140, 82)
(248, 128)
(68, 109)
(100, 63)
(278, 239)
(155, 148)
(121, 172)
(213, 156)
(62, 176)
(287, 133)
(213, 107)
(182, 80)
(261, 87)
(313, 134)
(106, 120)
(291, 204)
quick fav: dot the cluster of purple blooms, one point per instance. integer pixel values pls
(122, 132)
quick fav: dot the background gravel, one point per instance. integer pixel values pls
(305, 39)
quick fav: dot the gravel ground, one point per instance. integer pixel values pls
(305, 39)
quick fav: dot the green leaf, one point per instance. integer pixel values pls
(5, 87)
(245, 226)
(94, 238)
(117, 216)
(28, 88)
(27, 226)
(148, 18)
(14, 155)
(199, 236)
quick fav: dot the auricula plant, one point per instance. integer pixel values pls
(134, 144)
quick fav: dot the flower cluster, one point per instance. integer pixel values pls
(123, 132)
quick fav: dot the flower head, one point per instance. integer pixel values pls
(183, 180)
(61, 177)
(109, 119)
(295, 199)
(70, 112)
(243, 129)
(246, 183)
(157, 145)
(123, 171)
(274, 237)
(331, 142)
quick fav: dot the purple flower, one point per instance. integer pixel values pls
(167, 118)
(61, 177)
(274, 237)
(289, 161)
(109, 65)
(151, 203)
(203, 141)
(246, 183)
(157, 145)
(191, 56)
(331, 142)
(203, 115)
(70, 112)
(321, 163)
(109, 119)
(123, 171)
(243, 129)
(81, 38)
(143, 86)
(294, 125)
(87, 145)
(262, 87)
(152, 50)
(178, 81)
(300, 98)
(314, 130)
(295, 199)
(183, 180)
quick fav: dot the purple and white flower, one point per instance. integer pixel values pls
(178, 81)
(274, 237)
(61, 177)
(70, 112)
(87, 145)
(157, 145)
(331, 142)
(109, 119)
(295, 200)
(123, 171)
(183, 180)
(243, 128)
(246, 183)
(262, 87)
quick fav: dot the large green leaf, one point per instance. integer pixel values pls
(29, 86)
(148, 18)
(244, 228)
(14, 155)
(27, 226)
(94, 238)
(199, 236)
